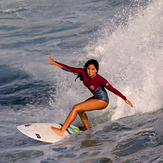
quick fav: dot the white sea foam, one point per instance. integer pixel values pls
(131, 59)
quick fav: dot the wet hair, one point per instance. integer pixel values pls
(92, 62)
(89, 62)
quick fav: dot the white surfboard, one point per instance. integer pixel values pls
(43, 131)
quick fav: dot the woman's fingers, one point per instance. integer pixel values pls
(52, 62)
(129, 103)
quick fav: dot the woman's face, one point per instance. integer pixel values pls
(91, 71)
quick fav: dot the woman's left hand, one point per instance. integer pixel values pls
(129, 103)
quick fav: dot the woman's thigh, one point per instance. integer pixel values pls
(91, 104)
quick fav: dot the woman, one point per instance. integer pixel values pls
(95, 83)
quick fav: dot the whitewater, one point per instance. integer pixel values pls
(125, 36)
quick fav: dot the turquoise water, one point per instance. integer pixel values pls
(126, 37)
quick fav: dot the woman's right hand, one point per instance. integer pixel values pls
(129, 103)
(52, 62)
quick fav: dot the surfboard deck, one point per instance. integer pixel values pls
(43, 131)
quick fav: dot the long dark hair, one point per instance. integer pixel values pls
(89, 62)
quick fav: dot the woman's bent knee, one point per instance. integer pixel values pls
(76, 108)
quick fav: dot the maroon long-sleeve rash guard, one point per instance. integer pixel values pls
(96, 85)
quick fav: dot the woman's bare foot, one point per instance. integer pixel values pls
(82, 128)
(58, 131)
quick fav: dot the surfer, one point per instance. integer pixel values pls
(96, 84)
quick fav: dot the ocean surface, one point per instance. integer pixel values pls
(125, 36)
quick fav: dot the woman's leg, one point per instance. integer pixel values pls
(84, 119)
(83, 116)
(89, 105)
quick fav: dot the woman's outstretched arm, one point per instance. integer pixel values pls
(65, 67)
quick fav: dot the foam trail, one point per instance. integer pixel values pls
(131, 59)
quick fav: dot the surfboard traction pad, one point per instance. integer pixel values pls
(70, 130)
